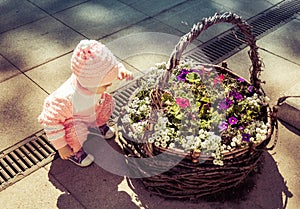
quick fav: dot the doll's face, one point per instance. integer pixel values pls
(100, 89)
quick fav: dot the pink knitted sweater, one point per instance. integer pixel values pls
(70, 110)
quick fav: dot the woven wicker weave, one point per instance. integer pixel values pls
(190, 178)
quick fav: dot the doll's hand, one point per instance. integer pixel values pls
(65, 152)
(124, 74)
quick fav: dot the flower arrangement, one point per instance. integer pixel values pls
(203, 110)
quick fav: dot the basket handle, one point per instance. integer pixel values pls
(198, 28)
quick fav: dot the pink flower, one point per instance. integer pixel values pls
(219, 79)
(182, 102)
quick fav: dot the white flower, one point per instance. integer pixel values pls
(126, 119)
(232, 144)
(157, 144)
(172, 145)
(158, 138)
(218, 162)
(163, 144)
(151, 140)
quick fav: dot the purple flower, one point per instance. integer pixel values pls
(223, 126)
(225, 104)
(182, 75)
(228, 102)
(241, 80)
(250, 89)
(236, 95)
(232, 120)
(246, 137)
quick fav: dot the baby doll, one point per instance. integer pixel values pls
(82, 101)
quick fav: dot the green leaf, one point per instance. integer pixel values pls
(193, 77)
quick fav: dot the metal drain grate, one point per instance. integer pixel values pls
(24, 158)
(225, 45)
(122, 95)
(36, 151)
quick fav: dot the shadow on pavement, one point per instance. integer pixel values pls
(92, 187)
(95, 187)
(263, 188)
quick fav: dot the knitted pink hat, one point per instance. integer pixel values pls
(93, 64)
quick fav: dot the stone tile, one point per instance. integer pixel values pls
(37, 43)
(138, 195)
(245, 8)
(284, 41)
(152, 8)
(7, 70)
(184, 16)
(107, 17)
(147, 37)
(20, 104)
(128, 2)
(144, 62)
(91, 186)
(274, 1)
(289, 111)
(145, 43)
(147, 27)
(295, 102)
(52, 74)
(38, 190)
(53, 6)
(287, 150)
(279, 74)
(17, 13)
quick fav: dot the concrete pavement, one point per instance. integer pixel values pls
(36, 43)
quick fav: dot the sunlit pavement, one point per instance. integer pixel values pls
(37, 39)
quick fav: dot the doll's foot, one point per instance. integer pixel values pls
(82, 159)
(107, 131)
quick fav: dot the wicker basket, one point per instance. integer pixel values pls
(189, 178)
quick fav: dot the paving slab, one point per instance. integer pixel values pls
(97, 19)
(274, 1)
(7, 70)
(39, 190)
(246, 8)
(144, 62)
(284, 41)
(53, 6)
(45, 44)
(52, 74)
(128, 2)
(184, 16)
(92, 186)
(36, 43)
(19, 13)
(145, 44)
(20, 104)
(289, 111)
(286, 155)
(279, 74)
(147, 26)
(154, 7)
